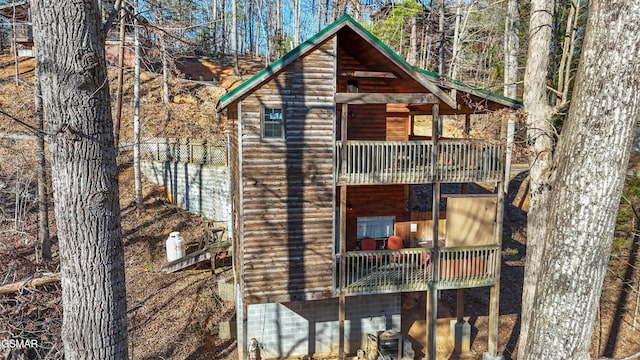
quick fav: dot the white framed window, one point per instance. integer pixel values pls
(272, 123)
(377, 227)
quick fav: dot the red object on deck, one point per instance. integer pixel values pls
(395, 243)
(368, 244)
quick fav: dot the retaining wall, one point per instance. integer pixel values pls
(202, 189)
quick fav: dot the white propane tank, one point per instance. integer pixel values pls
(175, 246)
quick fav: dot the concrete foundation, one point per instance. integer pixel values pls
(303, 328)
(461, 337)
(487, 356)
(227, 330)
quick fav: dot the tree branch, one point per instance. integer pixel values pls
(36, 131)
(107, 24)
(14, 287)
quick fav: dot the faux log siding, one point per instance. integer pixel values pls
(367, 122)
(346, 62)
(376, 200)
(288, 187)
(397, 128)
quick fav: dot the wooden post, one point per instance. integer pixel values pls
(432, 302)
(460, 305)
(494, 300)
(242, 349)
(467, 124)
(343, 232)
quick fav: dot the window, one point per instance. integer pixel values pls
(272, 123)
(377, 227)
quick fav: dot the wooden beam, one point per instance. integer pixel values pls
(494, 293)
(343, 234)
(369, 74)
(435, 260)
(386, 98)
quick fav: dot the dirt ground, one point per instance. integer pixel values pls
(175, 316)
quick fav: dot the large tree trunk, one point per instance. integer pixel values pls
(585, 185)
(540, 137)
(75, 93)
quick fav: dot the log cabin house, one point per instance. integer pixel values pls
(18, 17)
(325, 165)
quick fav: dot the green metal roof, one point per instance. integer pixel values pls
(285, 60)
(433, 82)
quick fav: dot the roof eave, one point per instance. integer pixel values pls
(280, 64)
(401, 63)
(316, 40)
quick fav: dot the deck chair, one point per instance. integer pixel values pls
(369, 244)
(395, 242)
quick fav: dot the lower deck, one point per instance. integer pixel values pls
(417, 269)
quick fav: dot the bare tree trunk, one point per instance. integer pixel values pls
(413, 42)
(165, 71)
(118, 120)
(43, 201)
(258, 25)
(15, 45)
(214, 15)
(75, 94)
(511, 47)
(278, 30)
(223, 28)
(457, 38)
(588, 176)
(568, 49)
(137, 174)
(540, 134)
(441, 53)
(234, 37)
(296, 22)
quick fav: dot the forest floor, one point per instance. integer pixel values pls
(175, 316)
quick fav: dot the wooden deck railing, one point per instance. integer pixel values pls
(23, 32)
(413, 162)
(467, 267)
(387, 271)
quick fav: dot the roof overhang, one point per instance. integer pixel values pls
(443, 90)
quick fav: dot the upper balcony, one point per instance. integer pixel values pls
(418, 162)
(23, 32)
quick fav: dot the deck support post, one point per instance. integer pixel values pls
(460, 329)
(494, 300)
(243, 339)
(431, 307)
(432, 302)
(343, 233)
(460, 305)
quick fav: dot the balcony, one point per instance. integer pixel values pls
(387, 271)
(417, 162)
(23, 32)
